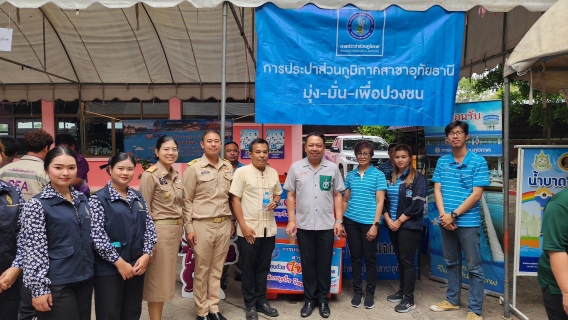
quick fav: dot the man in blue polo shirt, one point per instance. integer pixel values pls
(459, 179)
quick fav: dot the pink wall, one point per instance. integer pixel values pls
(48, 117)
(292, 143)
(98, 177)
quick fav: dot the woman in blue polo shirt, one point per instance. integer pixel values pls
(123, 236)
(404, 208)
(363, 201)
(56, 239)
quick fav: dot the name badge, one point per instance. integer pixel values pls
(115, 244)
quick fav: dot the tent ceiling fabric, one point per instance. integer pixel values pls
(174, 49)
(412, 5)
(175, 52)
(487, 42)
(544, 51)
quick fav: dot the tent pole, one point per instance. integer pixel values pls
(224, 79)
(506, 163)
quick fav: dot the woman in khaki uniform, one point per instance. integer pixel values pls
(162, 189)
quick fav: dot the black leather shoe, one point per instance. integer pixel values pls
(201, 318)
(307, 309)
(324, 310)
(251, 313)
(215, 316)
(267, 309)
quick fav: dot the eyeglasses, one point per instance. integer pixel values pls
(363, 154)
(456, 133)
(168, 150)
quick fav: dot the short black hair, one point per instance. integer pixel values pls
(463, 125)
(392, 145)
(208, 132)
(317, 134)
(258, 140)
(11, 146)
(56, 152)
(231, 142)
(66, 139)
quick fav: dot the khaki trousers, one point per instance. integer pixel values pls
(210, 255)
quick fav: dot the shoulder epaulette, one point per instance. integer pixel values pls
(152, 168)
(227, 161)
(191, 162)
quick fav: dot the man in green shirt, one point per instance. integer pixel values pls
(553, 263)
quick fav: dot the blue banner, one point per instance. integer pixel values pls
(286, 269)
(543, 173)
(350, 66)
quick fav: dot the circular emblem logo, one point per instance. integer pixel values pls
(361, 25)
(563, 162)
(275, 253)
(437, 150)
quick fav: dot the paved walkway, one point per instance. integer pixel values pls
(428, 292)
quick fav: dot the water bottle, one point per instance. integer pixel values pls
(265, 200)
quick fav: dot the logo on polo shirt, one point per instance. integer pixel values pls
(325, 183)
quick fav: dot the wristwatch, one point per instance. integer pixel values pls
(377, 224)
(454, 215)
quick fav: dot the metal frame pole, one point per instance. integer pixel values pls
(224, 79)
(506, 164)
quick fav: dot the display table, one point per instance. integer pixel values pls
(285, 275)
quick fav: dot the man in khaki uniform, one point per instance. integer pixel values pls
(208, 228)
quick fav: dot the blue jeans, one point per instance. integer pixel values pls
(453, 242)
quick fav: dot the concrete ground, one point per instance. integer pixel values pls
(428, 292)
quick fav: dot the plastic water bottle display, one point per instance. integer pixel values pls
(265, 200)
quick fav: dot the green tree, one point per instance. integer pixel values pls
(556, 110)
(379, 131)
(467, 91)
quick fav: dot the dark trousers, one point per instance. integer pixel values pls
(316, 252)
(10, 301)
(117, 299)
(405, 243)
(553, 305)
(360, 247)
(70, 301)
(255, 264)
(27, 310)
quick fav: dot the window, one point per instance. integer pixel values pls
(104, 134)
(17, 118)
(238, 111)
(67, 118)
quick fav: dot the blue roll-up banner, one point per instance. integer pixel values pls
(485, 139)
(351, 66)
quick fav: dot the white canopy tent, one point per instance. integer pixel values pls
(541, 58)
(127, 49)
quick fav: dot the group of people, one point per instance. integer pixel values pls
(123, 243)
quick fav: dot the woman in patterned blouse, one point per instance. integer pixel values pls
(57, 244)
(123, 235)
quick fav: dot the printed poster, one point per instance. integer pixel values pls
(286, 269)
(543, 172)
(391, 67)
(247, 136)
(275, 138)
(140, 136)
